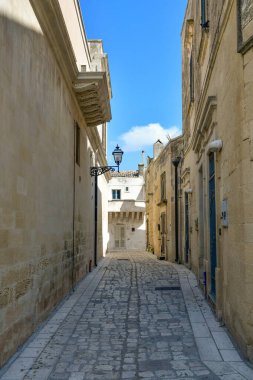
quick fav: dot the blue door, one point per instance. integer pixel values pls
(212, 221)
(186, 227)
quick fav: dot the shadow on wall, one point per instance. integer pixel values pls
(37, 285)
(37, 156)
(140, 196)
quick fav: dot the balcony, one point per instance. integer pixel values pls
(93, 96)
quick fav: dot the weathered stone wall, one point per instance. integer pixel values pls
(221, 110)
(156, 206)
(46, 234)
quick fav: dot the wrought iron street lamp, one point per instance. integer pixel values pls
(95, 171)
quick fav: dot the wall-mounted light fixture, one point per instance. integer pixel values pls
(214, 146)
(95, 171)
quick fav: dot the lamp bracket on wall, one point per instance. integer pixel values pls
(99, 170)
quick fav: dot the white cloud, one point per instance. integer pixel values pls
(142, 136)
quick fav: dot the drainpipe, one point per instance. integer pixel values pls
(96, 221)
(175, 162)
(73, 211)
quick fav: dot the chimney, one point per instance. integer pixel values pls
(157, 148)
(141, 169)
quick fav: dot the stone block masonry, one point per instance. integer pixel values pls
(46, 207)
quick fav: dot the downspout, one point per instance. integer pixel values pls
(96, 220)
(176, 163)
(73, 211)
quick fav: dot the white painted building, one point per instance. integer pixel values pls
(126, 211)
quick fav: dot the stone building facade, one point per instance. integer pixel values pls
(160, 200)
(214, 163)
(55, 102)
(217, 163)
(126, 211)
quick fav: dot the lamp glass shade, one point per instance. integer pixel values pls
(176, 160)
(117, 154)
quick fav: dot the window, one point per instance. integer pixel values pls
(77, 143)
(204, 21)
(191, 79)
(163, 186)
(127, 189)
(116, 194)
(163, 223)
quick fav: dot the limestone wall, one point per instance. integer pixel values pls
(46, 199)
(220, 110)
(161, 234)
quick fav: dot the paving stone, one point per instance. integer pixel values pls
(242, 369)
(200, 330)
(128, 374)
(18, 369)
(208, 349)
(233, 376)
(220, 368)
(222, 340)
(118, 326)
(230, 355)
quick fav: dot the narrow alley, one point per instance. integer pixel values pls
(133, 317)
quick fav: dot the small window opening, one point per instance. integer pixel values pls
(116, 194)
(163, 186)
(204, 21)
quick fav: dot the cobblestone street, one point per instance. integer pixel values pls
(133, 317)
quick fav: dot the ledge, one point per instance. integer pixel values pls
(163, 202)
(93, 96)
(91, 89)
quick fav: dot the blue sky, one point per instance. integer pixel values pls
(142, 40)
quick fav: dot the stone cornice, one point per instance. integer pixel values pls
(51, 20)
(93, 96)
(52, 23)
